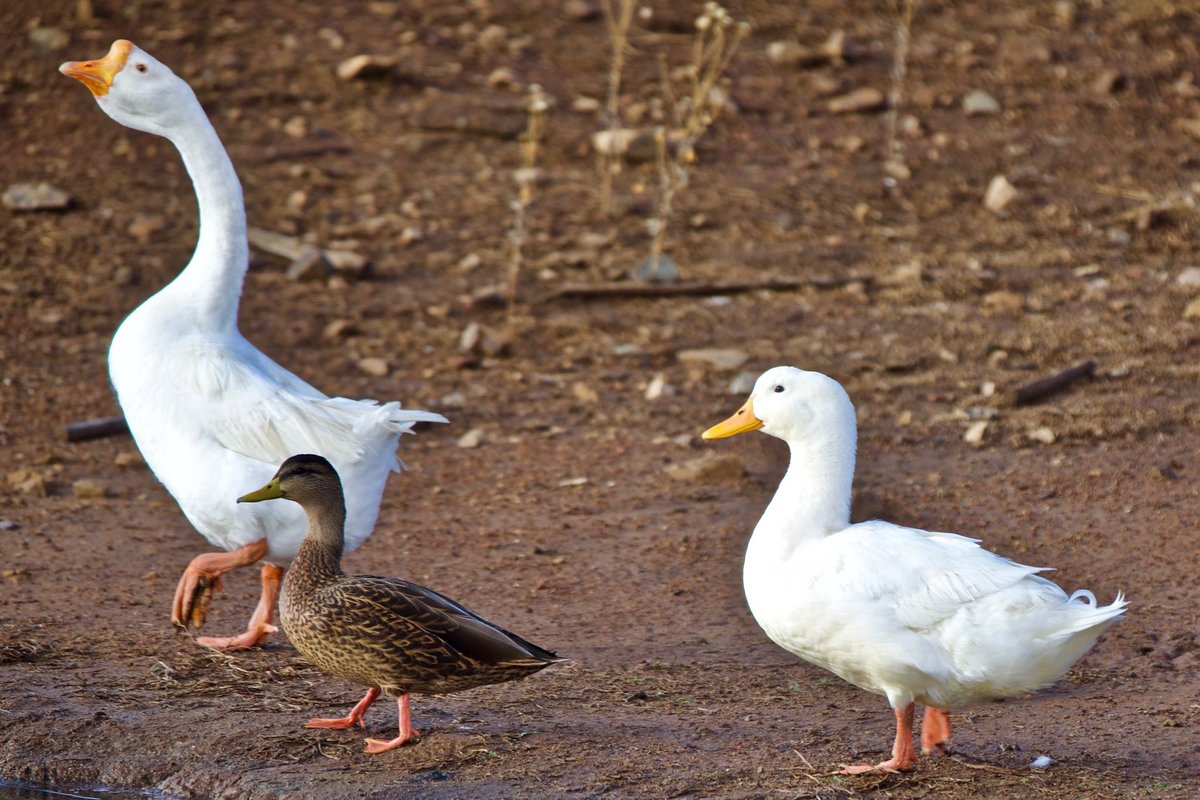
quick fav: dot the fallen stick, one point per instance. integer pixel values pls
(628, 289)
(1044, 387)
(96, 428)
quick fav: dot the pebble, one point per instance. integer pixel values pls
(979, 102)
(585, 105)
(129, 458)
(724, 359)
(1189, 277)
(39, 196)
(859, 100)
(8, 525)
(365, 67)
(787, 53)
(1004, 301)
(709, 469)
(310, 265)
(493, 38)
(580, 10)
(471, 439)
(374, 366)
(28, 481)
(502, 78)
(656, 270)
(634, 144)
(999, 194)
(1192, 310)
(89, 488)
(49, 39)
(573, 482)
(585, 394)
(1042, 434)
(975, 432)
(658, 387)
(146, 226)
(1109, 81)
(1041, 762)
(743, 382)
(339, 329)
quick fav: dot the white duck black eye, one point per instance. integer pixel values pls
(779, 388)
(140, 67)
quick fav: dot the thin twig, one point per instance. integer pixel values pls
(1044, 387)
(96, 428)
(635, 289)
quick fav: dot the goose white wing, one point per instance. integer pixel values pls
(258, 409)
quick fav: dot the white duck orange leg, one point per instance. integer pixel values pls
(903, 754)
(259, 627)
(406, 731)
(935, 730)
(355, 717)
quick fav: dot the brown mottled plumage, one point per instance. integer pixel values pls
(385, 633)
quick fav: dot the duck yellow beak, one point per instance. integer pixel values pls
(98, 76)
(269, 492)
(742, 420)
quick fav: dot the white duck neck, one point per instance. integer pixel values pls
(813, 499)
(211, 284)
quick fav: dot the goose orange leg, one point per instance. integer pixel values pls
(355, 717)
(903, 754)
(260, 622)
(935, 730)
(203, 576)
(406, 731)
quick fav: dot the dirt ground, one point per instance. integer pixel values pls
(564, 523)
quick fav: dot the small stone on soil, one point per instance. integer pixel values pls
(1042, 434)
(858, 101)
(722, 359)
(999, 194)
(1189, 277)
(35, 197)
(979, 102)
(709, 469)
(129, 458)
(374, 366)
(89, 488)
(363, 67)
(743, 382)
(471, 439)
(975, 432)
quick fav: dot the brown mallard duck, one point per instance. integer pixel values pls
(385, 633)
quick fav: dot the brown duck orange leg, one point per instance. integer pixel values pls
(406, 731)
(355, 717)
(903, 754)
(202, 576)
(935, 730)
(260, 622)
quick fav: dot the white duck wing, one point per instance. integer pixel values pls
(258, 409)
(922, 577)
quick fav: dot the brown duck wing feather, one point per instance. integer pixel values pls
(466, 632)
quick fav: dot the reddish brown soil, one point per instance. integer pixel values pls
(672, 690)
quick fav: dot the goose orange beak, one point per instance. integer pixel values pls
(741, 421)
(98, 75)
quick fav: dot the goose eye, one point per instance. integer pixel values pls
(140, 67)
(778, 388)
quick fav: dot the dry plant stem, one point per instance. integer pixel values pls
(618, 15)
(525, 176)
(904, 17)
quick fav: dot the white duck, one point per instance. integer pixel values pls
(914, 615)
(200, 400)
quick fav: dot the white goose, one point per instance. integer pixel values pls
(199, 398)
(914, 615)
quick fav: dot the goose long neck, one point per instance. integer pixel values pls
(321, 551)
(212, 281)
(813, 499)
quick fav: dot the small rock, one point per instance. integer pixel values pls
(310, 265)
(979, 102)
(478, 340)
(709, 469)
(1192, 310)
(129, 458)
(492, 39)
(580, 10)
(999, 194)
(743, 383)
(502, 78)
(859, 100)
(89, 488)
(658, 387)
(721, 359)
(1065, 13)
(28, 481)
(975, 431)
(339, 329)
(1004, 301)
(585, 105)
(787, 53)
(469, 262)
(1189, 277)
(365, 67)
(347, 262)
(634, 144)
(296, 127)
(35, 197)
(471, 439)
(1042, 434)
(146, 226)
(374, 366)
(656, 270)
(585, 394)
(8, 525)
(1108, 82)
(49, 39)
(1041, 762)
(573, 482)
